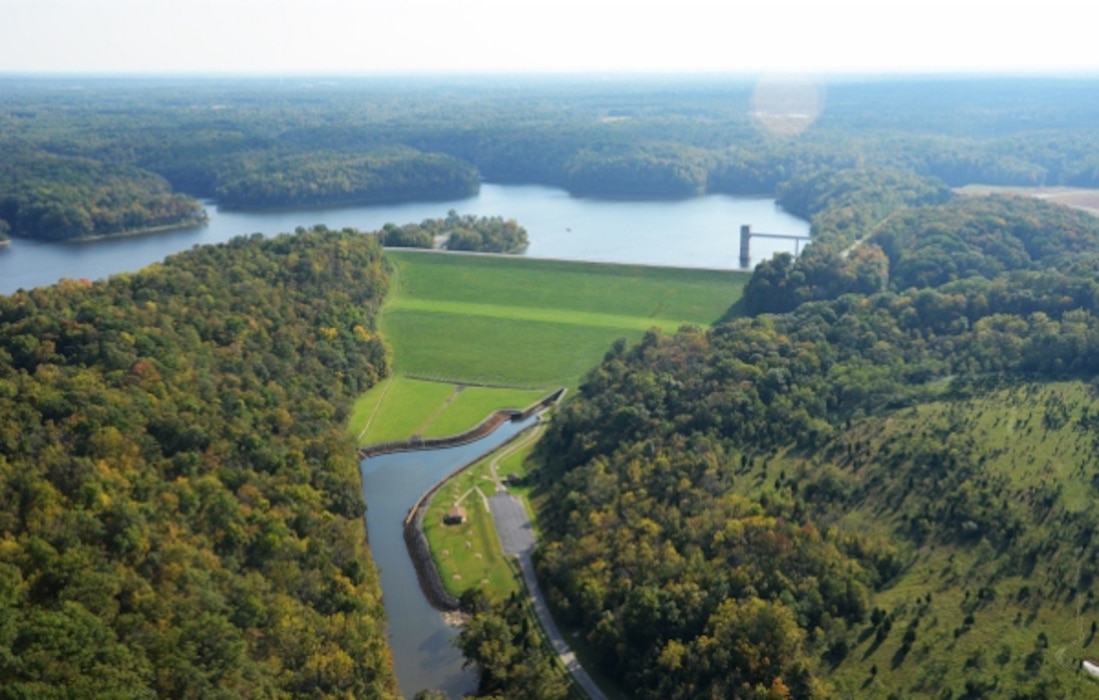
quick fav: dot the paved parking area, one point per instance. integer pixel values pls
(512, 523)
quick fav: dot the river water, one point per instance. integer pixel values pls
(695, 232)
(422, 650)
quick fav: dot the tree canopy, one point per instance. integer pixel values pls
(180, 513)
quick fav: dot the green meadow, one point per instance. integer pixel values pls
(469, 554)
(529, 323)
(401, 407)
(473, 334)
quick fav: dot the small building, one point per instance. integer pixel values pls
(513, 480)
(455, 516)
(1091, 667)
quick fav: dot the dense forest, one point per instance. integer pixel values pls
(707, 493)
(299, 142)
(58, 198)
(180, 512)
(483, 234)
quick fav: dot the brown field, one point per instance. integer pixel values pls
(1077, 198)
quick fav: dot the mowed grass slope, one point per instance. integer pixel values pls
(400, 408)
(535, 323)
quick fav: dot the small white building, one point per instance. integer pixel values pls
(1091, 668)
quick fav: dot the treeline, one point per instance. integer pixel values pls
(983, 237)
(59, 198)
(269, 144)
(485, 234)
(503, 639)
(875, 229)
(690, 575)
(318, 178)
(844, 207)
(180, 512)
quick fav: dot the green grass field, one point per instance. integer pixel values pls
(502, 332)
(401, 407)
(469, 555)
(535, 323)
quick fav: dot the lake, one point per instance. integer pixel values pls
(696, 232)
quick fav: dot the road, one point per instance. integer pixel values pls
(517, 538)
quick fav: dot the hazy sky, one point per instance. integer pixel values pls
(386, 36)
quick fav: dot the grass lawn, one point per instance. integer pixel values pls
(476, 403)
(400, 407)
(535, 323)
(521, 325)
(495, 332)
(469, 555)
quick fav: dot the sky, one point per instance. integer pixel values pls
(367, 37)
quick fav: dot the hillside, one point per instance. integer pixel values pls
(877, 494)
(180, 511)
(534, 323)
(992, 490)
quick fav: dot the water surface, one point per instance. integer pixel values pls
(696, 232)
(423, 654)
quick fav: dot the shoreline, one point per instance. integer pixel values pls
(164, 228)
(134, 233)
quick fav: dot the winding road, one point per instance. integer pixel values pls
(517, 538)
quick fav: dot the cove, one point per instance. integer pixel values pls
(423, 654)
(701, 232)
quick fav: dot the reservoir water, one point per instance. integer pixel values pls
(696, 232)
(423, 654)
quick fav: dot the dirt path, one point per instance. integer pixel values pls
(846, 253)
(381, 400)
(438, 411)
(494, 465)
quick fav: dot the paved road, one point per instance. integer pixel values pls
(512, 523)
(517, 538)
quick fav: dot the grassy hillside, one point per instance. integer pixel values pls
(997, 593)
(400, 407)
(523, 326)
(535, 323)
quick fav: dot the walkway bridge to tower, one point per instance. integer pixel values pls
(747, 234)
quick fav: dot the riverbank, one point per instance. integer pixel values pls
(427, 570)
(419, 551)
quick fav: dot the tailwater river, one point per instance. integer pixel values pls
(421, 641)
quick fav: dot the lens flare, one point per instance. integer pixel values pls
(786, 105)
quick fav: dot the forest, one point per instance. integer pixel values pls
(702, 490)
(482, 234)
(180, 511)
(135, 153)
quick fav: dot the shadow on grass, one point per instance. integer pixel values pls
(737, 310)
(873, 646)
(899, 657)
